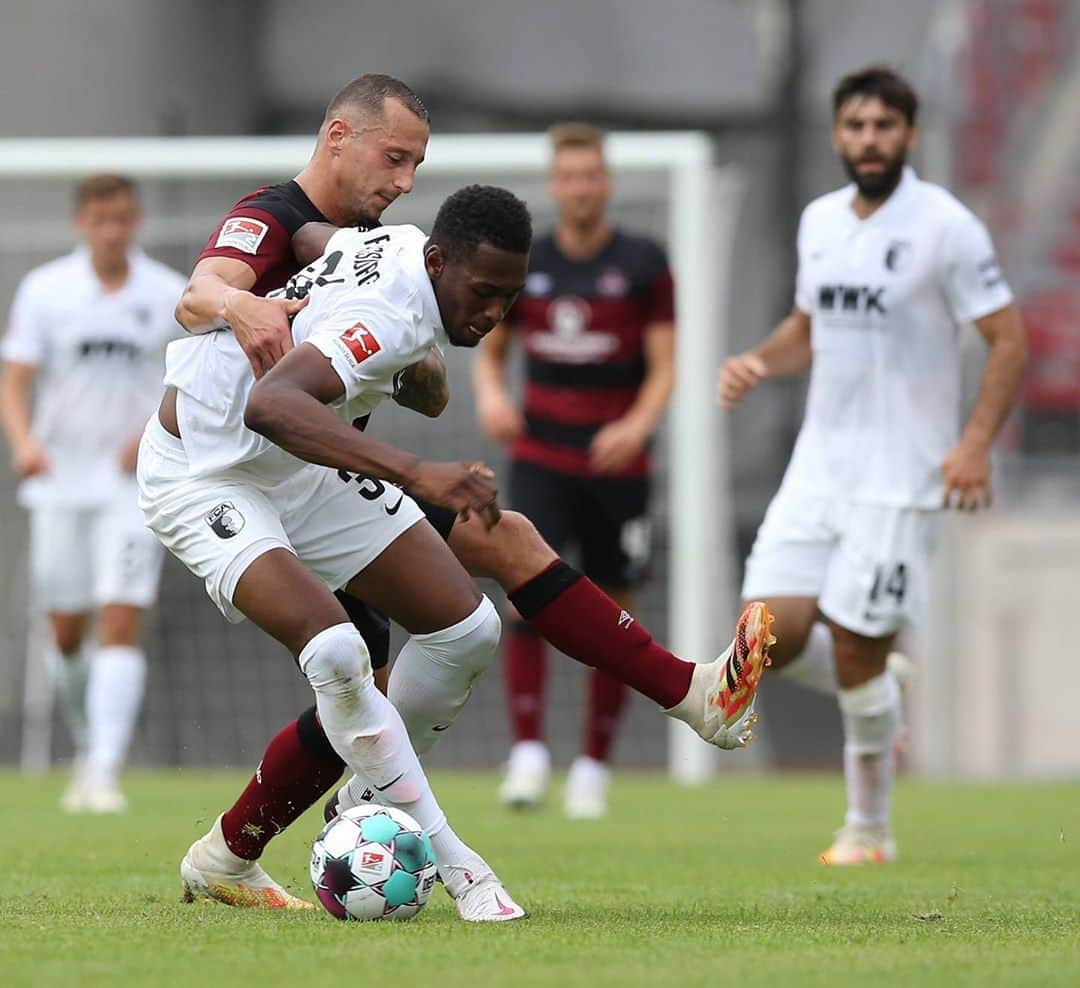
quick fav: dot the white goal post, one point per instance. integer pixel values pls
(702, 206)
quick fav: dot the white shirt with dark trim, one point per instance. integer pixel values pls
(886, 298)
(372, 313)
(99, 356)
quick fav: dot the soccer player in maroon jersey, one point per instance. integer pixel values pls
(596, 320)
(373, 138)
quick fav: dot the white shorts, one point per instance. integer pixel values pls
(219, 526)
(84, 558)
(868, 566)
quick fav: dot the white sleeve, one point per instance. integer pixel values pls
(804, 297)
(970, 276)
(171, 290)
(26, 340)
(363, 345)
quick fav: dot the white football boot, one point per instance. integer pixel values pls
(103, 798)
(479, 895)
(585, 797)
(720, 702)
(528, 771)
(210, 870)
(101, 792)
(860, 845)
(73, 800)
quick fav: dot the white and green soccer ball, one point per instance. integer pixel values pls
(373, 862)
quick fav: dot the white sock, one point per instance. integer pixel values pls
(815, 665)
(368, 733)
(872, 716)
(433, 674)
(70, 674)
(113, 695)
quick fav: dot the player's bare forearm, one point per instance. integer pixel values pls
(203, 305)
(16, 383)
(289, 407)
(786, 350)
(489, 365)
(1001, 377)
(655, 391)
(496, 412)
(423, 387)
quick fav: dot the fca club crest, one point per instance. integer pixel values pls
(897, 255)
(225, 520)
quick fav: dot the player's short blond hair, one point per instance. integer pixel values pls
(575, 135)
(103, 185)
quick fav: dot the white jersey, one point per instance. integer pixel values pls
(372, 313)
(886, 297)
(99, 356)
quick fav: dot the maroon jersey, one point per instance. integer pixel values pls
(583, 325)
(258, 230)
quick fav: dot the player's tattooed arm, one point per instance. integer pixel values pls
(423, 387)
(310, 241)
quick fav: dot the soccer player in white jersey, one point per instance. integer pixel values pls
(889, 268)
(233, 479)
(88, 332)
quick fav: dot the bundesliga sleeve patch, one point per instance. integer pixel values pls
(242, 233)
(360, 342)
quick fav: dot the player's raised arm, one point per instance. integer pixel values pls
(784, 353)
(289, 407)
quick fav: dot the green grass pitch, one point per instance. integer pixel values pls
(714, 886)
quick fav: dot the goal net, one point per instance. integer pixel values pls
(217, 692)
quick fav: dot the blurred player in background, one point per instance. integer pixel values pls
(88, 332)
(373, 137)
(889, 268)
(597, 322)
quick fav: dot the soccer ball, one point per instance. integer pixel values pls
(373, 862)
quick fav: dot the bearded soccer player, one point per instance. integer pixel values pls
(596, 321)
(373, 138)
(889, 269)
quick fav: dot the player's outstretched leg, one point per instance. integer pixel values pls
(720, 702)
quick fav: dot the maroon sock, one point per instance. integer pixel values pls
(607, 697)
(297, 769)
(525, 665)
(578, 618)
